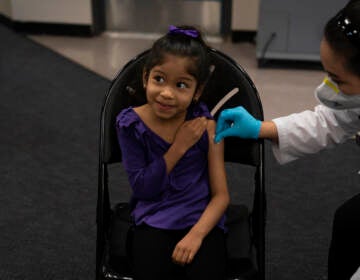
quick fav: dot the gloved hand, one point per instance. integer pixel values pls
(237, 122)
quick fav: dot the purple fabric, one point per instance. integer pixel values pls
(168, 201)
(188, 32)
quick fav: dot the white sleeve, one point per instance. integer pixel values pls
(356, 275)
(311, 131)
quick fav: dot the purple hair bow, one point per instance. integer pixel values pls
(188, 32)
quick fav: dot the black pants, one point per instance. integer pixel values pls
(344, 253)
(152, 249)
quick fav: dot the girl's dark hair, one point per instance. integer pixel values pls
(184, 45)
(341, 36)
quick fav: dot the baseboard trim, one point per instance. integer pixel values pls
(82, 30)
(289, 64)
(6, 21)
(243, 36)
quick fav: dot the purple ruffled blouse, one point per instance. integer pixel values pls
(167, 201)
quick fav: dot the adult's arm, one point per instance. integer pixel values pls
(309, 132)
(295, 135)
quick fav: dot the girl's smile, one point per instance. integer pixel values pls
(164, 107)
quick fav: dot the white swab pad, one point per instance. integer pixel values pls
(224, 100)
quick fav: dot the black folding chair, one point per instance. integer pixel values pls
(246, 235)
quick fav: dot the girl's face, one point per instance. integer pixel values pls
(170, 88)
(334, 64)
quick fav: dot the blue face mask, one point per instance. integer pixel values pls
(329, 95)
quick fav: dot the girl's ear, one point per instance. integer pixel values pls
(198, 93)
(144, 78)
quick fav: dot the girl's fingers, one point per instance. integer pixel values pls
(190, 258)
(182, 257)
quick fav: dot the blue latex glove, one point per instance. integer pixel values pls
(237, 122)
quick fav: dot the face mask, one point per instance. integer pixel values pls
(329, 95)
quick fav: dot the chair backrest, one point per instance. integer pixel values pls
(126, 90)
(227, 77)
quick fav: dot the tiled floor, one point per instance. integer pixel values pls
(282, 91)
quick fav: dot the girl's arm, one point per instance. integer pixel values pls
(186, 249)
(148, 178)
(142, 172)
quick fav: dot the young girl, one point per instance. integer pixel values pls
(176, 171)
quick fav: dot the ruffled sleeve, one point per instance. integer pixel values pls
(146, 170)
(128, 119)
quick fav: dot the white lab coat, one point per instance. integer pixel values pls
(356, 275)
(311, 131)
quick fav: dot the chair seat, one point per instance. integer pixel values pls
(238, 240)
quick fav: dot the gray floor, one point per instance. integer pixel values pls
(282, 91)
(302, 196)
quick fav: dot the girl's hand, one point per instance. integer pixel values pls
(190, 132)
(186, 249)
(186, 136)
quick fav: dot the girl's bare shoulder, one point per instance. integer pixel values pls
(211, 127)
(140, 110)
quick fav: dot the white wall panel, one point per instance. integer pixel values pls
(52, 11)
(245, 15)
(5, 8)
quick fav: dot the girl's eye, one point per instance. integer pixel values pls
(181, 85)
(159, 79)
